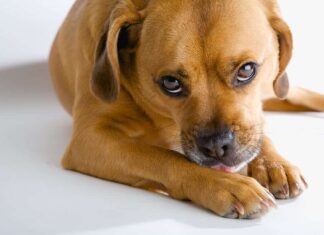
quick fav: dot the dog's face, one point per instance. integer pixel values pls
(203, 64)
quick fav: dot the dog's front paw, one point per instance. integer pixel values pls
(282, 179)
(230, 195)
(246, 199)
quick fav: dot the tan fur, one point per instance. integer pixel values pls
(126, 130)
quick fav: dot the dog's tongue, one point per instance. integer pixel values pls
(224, 168)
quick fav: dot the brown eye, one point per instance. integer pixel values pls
(171, 85)
(246, 73)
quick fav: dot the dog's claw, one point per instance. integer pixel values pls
(237, 212)
(261, 210)
(304, 181)
(232, 215)
(239, 208)
(266, 204)
(297, 190)
(298, 187)
(272, 199)
(272, 203)
(283, 192)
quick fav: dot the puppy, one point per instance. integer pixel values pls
(168, 96)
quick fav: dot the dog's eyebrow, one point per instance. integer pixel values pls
(231, 64)
(183, 73)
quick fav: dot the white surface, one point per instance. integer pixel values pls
(38, 197)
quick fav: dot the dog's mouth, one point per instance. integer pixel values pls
(221, 167)
(242, 161)
(240, 157)
(230, 169)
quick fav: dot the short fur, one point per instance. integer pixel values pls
(105, 64)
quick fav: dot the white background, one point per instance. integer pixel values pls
(38, 197)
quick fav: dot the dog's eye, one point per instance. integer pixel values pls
(246, 73)
(171, 85)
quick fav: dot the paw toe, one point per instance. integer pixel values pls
(282, 192)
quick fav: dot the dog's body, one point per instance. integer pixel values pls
(112, 65)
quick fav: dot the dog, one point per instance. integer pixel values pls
(169, 96)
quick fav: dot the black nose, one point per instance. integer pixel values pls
(218, 144)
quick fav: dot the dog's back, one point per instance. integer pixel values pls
(76, 42)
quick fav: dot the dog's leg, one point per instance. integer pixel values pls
(107, 153)
(298, 100)
(307, 98)
(275, 173)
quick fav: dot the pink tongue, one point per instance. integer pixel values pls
(224, 168)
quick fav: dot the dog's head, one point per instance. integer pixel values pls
(201, 63)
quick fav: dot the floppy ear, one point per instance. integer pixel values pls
(281, 83)
(121, 33)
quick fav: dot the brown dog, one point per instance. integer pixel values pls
(152, 84)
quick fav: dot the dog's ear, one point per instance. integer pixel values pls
(120, 36)
(281, 83)
(285, 39)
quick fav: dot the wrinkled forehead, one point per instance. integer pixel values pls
(212, 29)
(240, 29)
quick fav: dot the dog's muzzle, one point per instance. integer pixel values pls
(219, 149)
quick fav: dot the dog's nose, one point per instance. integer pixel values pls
(219, 144)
